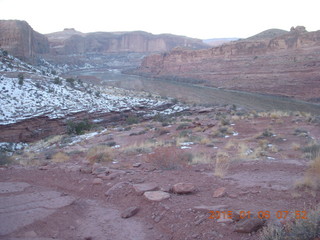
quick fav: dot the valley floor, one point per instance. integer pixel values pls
(67, 187)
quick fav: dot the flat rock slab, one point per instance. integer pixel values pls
(145, 187)
(11, 187)
(210, 208)
(156, 195)
(20, 210)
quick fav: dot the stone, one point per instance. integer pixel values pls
(129, 212)
(144, 187)
(118, 186)
(31, 234)
(86, 170)
(97, 181)
(136, 165)
(248, 225)
(183, 188)
(11, 187)
(220, 192)
(207, 208)
(156, 195)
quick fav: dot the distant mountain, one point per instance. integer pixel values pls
(71, 41)
(218, 41)
(73, 49)
(268, 34)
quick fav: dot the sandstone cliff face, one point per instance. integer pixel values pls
(20, 40)
(287, 65)
(72, 42)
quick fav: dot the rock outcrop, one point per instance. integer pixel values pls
(20, 40)
(71, 41)
(286, 65)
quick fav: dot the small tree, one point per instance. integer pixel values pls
(70, 81)
(21, 78)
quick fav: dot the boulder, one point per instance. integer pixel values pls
(220, 192)
(156, 195)
(129, 212)
(183, 188)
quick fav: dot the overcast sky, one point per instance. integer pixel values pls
(194, 18)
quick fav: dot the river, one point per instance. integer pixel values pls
(196, 94)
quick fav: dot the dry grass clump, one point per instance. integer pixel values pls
(295, 146)
(99, 154)
(297, 229)
(60, 157)
(169, 158)
(201, 158)
(311, 177)
(222, 164)
(143, 147)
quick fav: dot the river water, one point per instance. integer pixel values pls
(192, 93)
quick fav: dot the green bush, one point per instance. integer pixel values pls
(78, 128)
(70, 81)
(132, 120)
(57, 81)
(5, 159)
(21, 78)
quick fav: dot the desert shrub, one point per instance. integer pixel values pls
(57, 81)
(111, 144)
(301, 132)
(99, 154)
(185, 133)
(60, 157)
(166, 119)
(5, 159)
(223, 131)
(267, 133)
(70, 81)
(78, 128)
(132, 120)
(298, 229)
(21, 78)
(139, 133)
(160, 132)
(169, 158)
(221, 164)
(312, 150)
(225, 122)
(183, 126)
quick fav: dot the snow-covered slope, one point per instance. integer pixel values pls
(26, 92)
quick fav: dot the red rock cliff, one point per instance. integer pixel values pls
(287, 65)
(20, 40)
(70, 41)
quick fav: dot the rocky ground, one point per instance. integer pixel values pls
(159, 179)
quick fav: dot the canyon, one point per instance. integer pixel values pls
(286, 64)
(78, 50)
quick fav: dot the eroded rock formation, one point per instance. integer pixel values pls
(71, 41)
(20, 40)
(287, 65)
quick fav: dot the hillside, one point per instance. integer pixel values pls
(286, 65)
(268, 34)
(27, 92)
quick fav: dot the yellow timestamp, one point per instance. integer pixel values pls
(264, 214)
